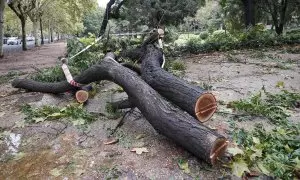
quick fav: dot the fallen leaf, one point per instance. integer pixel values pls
(78, 122)
(20, 124)
(280, 84)
(262, 168)
(140, 136)
(19, 156)
(139, 150)
(55, 115)
(111, 141)
(2, 114)
(184, 165)
(39, 119)
(234, 151)
(56, 172)
(239, 168)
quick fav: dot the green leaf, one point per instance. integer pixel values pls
(19, 156)
(297, 161)
(262, 168)
(255, 140)
(280, 84)
(55, 115)
(239, 167)
(184, 165)
(78, 122)
(257, 153)
(234, 151)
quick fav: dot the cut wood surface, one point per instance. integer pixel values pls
(168, 120)
(194, 100)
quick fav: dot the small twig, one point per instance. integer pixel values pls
(36, 68)
(121, 121)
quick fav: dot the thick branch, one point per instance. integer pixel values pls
(170, 121)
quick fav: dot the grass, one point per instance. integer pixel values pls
(9, 76)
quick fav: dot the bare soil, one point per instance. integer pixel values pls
(60, 150)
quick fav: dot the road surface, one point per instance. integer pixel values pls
(8, 49)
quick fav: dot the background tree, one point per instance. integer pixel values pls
(91, 21)
(2, 6)
(21, 8)
(281, 11)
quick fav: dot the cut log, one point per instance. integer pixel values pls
(194, 100)
(168, 120)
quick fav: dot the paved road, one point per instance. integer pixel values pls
(8, 49)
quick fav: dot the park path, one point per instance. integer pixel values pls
(40, 57)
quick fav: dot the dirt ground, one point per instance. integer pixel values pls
(43, 56)
(60, 150)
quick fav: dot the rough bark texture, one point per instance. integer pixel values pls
(35, 31)
(190, 98)
(23, 24)
(168, 120)
(123, 104)
(249, 12)
(2, 6)
(41, 29)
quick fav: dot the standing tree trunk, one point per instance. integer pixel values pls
(51, 34)
(23, 24)
(249, 12)
(2, 6)
(168, 120)
(35, 31)
(41, 29)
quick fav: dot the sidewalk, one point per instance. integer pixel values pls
(41, 57)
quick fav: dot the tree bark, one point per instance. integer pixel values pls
(2, 6)
(35, 31)
(249, 12)
(51, 34)
(41, 29)
(188, 97)
(168, 120)
(23, 24)
(106, 17)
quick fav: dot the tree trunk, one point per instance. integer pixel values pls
(41, 29)
(2, 6)
(249, 12)
(35, 31)
(106, 17)
(51, 34)
(168, 120)
(188, 97)
(279, 29)
(23, 24)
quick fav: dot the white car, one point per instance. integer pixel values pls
(30, 38)
(13, 41)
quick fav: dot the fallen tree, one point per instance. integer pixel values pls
(168, 120)
(194, 100)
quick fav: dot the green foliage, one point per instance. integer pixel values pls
(10, 75)
(73, 112)
(274, 107)
(252, 38)
(204, 35)
(54, 74)
(275, 152)
(171, 34)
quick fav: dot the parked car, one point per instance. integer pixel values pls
(13, 41)
(29, 38)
